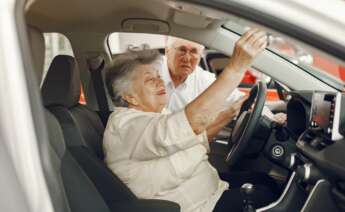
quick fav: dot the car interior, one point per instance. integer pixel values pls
(304, 156)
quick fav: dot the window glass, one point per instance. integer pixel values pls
(313, 62)
(56, 44)
(211, 60)
(310, 60)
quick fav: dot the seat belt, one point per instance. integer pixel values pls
(96, 66)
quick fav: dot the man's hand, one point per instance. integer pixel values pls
(279, 118)
(247, 48)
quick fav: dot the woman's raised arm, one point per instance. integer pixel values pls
(206, 107)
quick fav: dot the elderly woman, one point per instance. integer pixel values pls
(163, 155)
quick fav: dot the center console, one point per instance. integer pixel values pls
(317, 182)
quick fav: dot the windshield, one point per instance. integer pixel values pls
(313, 62)
(310, 61)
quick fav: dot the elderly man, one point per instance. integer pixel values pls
(162, 155)
(185, 80)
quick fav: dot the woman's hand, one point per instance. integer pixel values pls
(224, 118)
(202, 110)
(247, 48)
(234, 108)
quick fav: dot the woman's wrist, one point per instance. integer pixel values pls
(234, 66)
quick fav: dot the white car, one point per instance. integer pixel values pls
(51, 152)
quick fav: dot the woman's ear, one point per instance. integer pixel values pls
(130, 99)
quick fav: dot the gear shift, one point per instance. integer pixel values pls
(247, 191)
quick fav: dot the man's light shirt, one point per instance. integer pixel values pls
(196, 83)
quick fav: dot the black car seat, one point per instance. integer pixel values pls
(60, 93)
(86, 177)
(52, 158)
(76, 192)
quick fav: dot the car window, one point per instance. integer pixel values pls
(216, 62)
(57, 44)
(320, 66)
(212, 60)
(308, 58)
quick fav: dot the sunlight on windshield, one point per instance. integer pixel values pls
(300, 56)
(311, 61)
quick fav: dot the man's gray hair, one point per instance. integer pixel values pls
(170, 41)
(120, 74)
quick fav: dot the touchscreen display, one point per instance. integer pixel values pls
(322, 111)
(325, 113)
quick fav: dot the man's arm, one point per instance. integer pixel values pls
(226, 116)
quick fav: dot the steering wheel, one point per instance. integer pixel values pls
(246, 122)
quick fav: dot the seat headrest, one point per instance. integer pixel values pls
(61, 86)
(37, 45)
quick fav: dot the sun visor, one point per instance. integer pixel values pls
(191, 20)
(145, 25)
(194, 16)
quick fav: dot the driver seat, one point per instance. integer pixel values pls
(83, 132)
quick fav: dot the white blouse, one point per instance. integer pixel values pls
(158, 156)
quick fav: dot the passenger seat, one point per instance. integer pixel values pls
(86, 178)
(60, 93)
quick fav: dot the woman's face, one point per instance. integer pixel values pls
(148, 91)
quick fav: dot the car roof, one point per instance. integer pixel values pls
(195, 19)
(199, 21)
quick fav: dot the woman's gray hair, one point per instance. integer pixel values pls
(120, 74)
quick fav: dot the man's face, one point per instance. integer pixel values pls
(148, 91)
(183, 56)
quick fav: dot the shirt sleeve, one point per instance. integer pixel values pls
(234, 96)
(156, 135)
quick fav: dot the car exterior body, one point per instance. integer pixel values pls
(23, 128)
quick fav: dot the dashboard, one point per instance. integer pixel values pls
(313, 148)
(317, 110)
